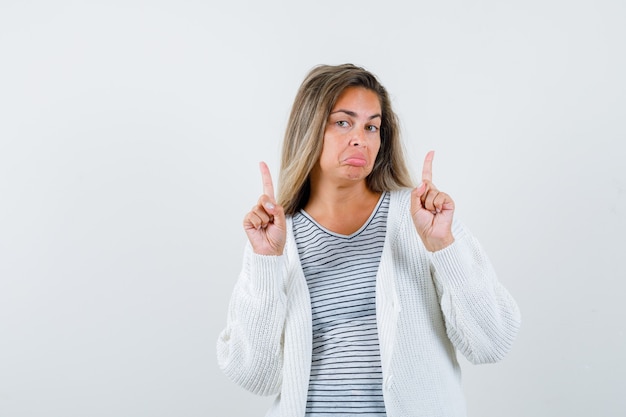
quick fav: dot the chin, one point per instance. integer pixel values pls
(358, 173)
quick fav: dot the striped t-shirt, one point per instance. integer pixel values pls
(346, 374)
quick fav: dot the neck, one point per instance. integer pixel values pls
(341, 209)
(331, 199)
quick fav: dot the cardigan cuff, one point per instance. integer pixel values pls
(453, 263)
(265, 271)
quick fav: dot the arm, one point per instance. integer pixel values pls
(482, 319)
(249, 349)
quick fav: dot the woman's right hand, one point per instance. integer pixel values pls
(265, 224)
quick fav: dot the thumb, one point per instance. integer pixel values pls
(418, 192)
(277, 212)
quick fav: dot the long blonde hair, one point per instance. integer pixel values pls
(302, 145)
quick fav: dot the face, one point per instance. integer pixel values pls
(352, 136)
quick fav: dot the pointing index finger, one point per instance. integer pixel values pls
(268, 185)
(427, 170)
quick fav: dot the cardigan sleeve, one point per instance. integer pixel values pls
(250, 348)
(481, 317)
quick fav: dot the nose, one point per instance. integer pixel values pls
(358, 137)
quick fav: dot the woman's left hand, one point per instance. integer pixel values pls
(432, 210)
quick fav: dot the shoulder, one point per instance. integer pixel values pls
(399, 217)
(401, 194)
(400, 199)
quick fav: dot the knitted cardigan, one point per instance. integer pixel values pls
(428, 306)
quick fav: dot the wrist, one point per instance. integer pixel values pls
(439, 244)
(267, 251)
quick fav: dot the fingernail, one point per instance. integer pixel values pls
(420, 185)
(269, 206)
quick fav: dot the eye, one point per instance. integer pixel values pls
(372, 128)
(342, 123)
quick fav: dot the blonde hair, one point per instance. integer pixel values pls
(302, 145)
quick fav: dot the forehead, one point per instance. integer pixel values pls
(356, 96)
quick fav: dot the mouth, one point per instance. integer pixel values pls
(356, 161)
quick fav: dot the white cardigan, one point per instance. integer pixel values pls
(428, 305)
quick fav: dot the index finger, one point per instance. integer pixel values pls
(427, 170)
(268, 185)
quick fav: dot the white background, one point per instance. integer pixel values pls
(130, 136)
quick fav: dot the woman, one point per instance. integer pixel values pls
(356, 291)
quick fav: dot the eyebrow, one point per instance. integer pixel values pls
(353, 114)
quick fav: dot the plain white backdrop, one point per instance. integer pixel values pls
(130, 136)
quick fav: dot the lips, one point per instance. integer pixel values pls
(355, 160)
